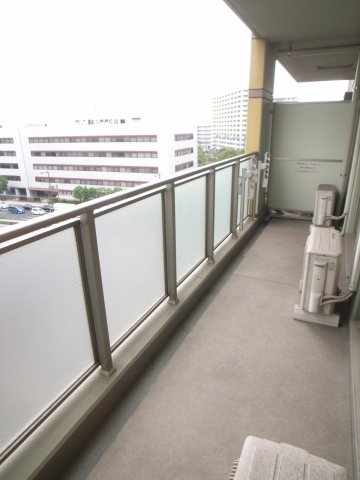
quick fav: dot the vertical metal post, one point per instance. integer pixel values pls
(170, 235)
(242, 198)
(93, 272)
(210, 215)
(234, 198)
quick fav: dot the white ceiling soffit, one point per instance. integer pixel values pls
(314, 40)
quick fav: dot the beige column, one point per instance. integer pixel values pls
(261, 86)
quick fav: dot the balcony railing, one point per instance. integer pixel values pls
(77, 283)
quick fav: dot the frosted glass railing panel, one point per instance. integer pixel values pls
(190, 209)
(45, 343)
(247, 166)
(130, 242)
(222, 204)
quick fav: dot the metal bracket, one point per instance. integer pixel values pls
(266, 167)
(253, 178)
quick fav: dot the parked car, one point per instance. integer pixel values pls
(16, 209)
(3, 204)
(37, 211)
(47, 208)
(27, 206)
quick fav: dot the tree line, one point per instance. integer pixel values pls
(217, 155)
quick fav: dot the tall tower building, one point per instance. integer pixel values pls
(229, 120)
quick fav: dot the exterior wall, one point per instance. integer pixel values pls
(229, 120)
(12, 165)
(92, 163)
(204, 133)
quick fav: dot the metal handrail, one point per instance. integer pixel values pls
(28, 227)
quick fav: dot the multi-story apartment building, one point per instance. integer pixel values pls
(204, 135)
(37, 159)
(229, 120)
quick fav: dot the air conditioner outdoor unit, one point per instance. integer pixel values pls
(324, 205)
(320, 277)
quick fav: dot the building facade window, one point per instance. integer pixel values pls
(9, 165)
(183, 166)
(6, 140)
(184, 136)
(13, 178)
(127, 138)
(7, 154)
(81, 181)
(98, 168)
(95, 154)
(184, 151)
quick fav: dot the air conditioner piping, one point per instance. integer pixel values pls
(336, 299)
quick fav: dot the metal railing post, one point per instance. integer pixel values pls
(234, 198)
(210, 215)
(93, 273)
(170, 242)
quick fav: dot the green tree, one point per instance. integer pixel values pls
(225, 153)
(201, 156)
(101, 191)
(83, 194)
(3, 184)
(222, 154)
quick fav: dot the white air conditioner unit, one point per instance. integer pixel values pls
(324, 205)
(320, 276)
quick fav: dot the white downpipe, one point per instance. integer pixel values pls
(355, 273)
(350, 143)
(350, 188)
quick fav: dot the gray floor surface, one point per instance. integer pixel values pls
(239, 366)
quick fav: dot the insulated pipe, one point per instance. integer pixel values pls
(351, 139)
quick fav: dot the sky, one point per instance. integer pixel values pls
(74, 59)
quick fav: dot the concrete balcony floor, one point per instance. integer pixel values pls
(239, 365)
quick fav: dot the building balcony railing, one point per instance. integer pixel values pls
(76, 284)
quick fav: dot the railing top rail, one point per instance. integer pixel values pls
(28, 227)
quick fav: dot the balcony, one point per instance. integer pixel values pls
(239, 365)
(107, 280)
(151, 331)
(193, 359)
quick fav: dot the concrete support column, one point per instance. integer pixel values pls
(261, 87)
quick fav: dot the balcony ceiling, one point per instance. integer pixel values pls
(331, 27)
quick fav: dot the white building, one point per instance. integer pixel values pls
(204, 135)
(12, 165)
(123, 155)
(229, 120)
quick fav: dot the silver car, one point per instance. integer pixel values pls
(37, 211)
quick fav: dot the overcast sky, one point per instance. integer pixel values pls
(74, 59)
